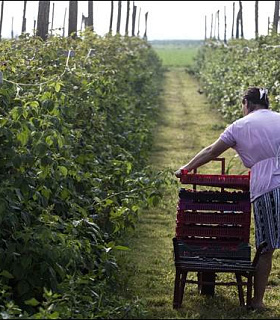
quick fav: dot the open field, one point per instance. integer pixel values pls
(176, 53)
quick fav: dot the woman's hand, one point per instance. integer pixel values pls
(178, 173)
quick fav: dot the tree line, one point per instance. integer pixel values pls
(43, 27)
(237, 30)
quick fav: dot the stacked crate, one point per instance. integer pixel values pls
(213, 224)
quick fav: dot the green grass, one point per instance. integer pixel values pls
(187, 124)
(177, 57)
(176, 53)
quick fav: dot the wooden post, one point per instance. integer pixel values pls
(133, 18)
(111, 18)
(205, 29)
(73, 19)
(233, 18)
(43, 19)
(12, 31)
(211, 29)
(23, 27)
(1, 19)
(64, 20)
(218, 15)
(90, 15)
(276, 17)
(146, 23)
(34, 26)
(215, 25)
(119, 16)
(52, 19)
(138, 32)
(127, 18)
(237, 24)
(241, 19)
(256, 19)
(225, 33)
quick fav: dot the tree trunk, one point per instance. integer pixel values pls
(133, 19)
(90, 15)
(127, 18)
(119, 16)
(73, 19)
(139, 15)
(225, 33)
(146, 22)
(256, 19)
(241, 19)
(23, 27)
(211, 29)
(12, 31)
(43, 19)
(1, 19)
(111, 18)
(268, 25)
(215, 24)
(233, 18)
(64, 20)
(276, 17)
(205, 29)
(218, 16)
(237, 24)
(52, 19)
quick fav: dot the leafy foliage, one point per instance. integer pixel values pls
(227, 71)
(75, 133)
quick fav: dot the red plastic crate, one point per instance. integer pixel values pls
(212, 206)
(234, 232)
(239, 251)
(222, 180)
(228, 218)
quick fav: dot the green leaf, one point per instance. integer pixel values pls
(122, 248)
(32, 302)
(57, 87)
(6, 274)
(63, 170)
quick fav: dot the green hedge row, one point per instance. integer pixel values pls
(226, 71)
(76, 117)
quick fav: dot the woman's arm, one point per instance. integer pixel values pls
(205, 155)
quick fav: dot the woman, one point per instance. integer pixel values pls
(256, 139)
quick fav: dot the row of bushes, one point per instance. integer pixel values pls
(226, 71)
(76, 117)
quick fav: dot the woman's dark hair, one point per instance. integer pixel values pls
(256, 96)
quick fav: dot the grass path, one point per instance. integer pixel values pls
(187, 124)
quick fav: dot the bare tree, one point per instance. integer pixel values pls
(218, 16)
(205, 28)
(23, 27)
(64, 20)
(52, 19)
(276, 17)
(43, 19)
(12, 30)
(1, 19)
(127, 18)
(139, 15)
(111, 18)
(146, 23)
(233, 18)
(241, 18)
(90, 15)
(211, 29)
(119, 16)
(225, 32)
(256, 19)
(73, 19)
(133, 19)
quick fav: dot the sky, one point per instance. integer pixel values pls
(166, 19)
